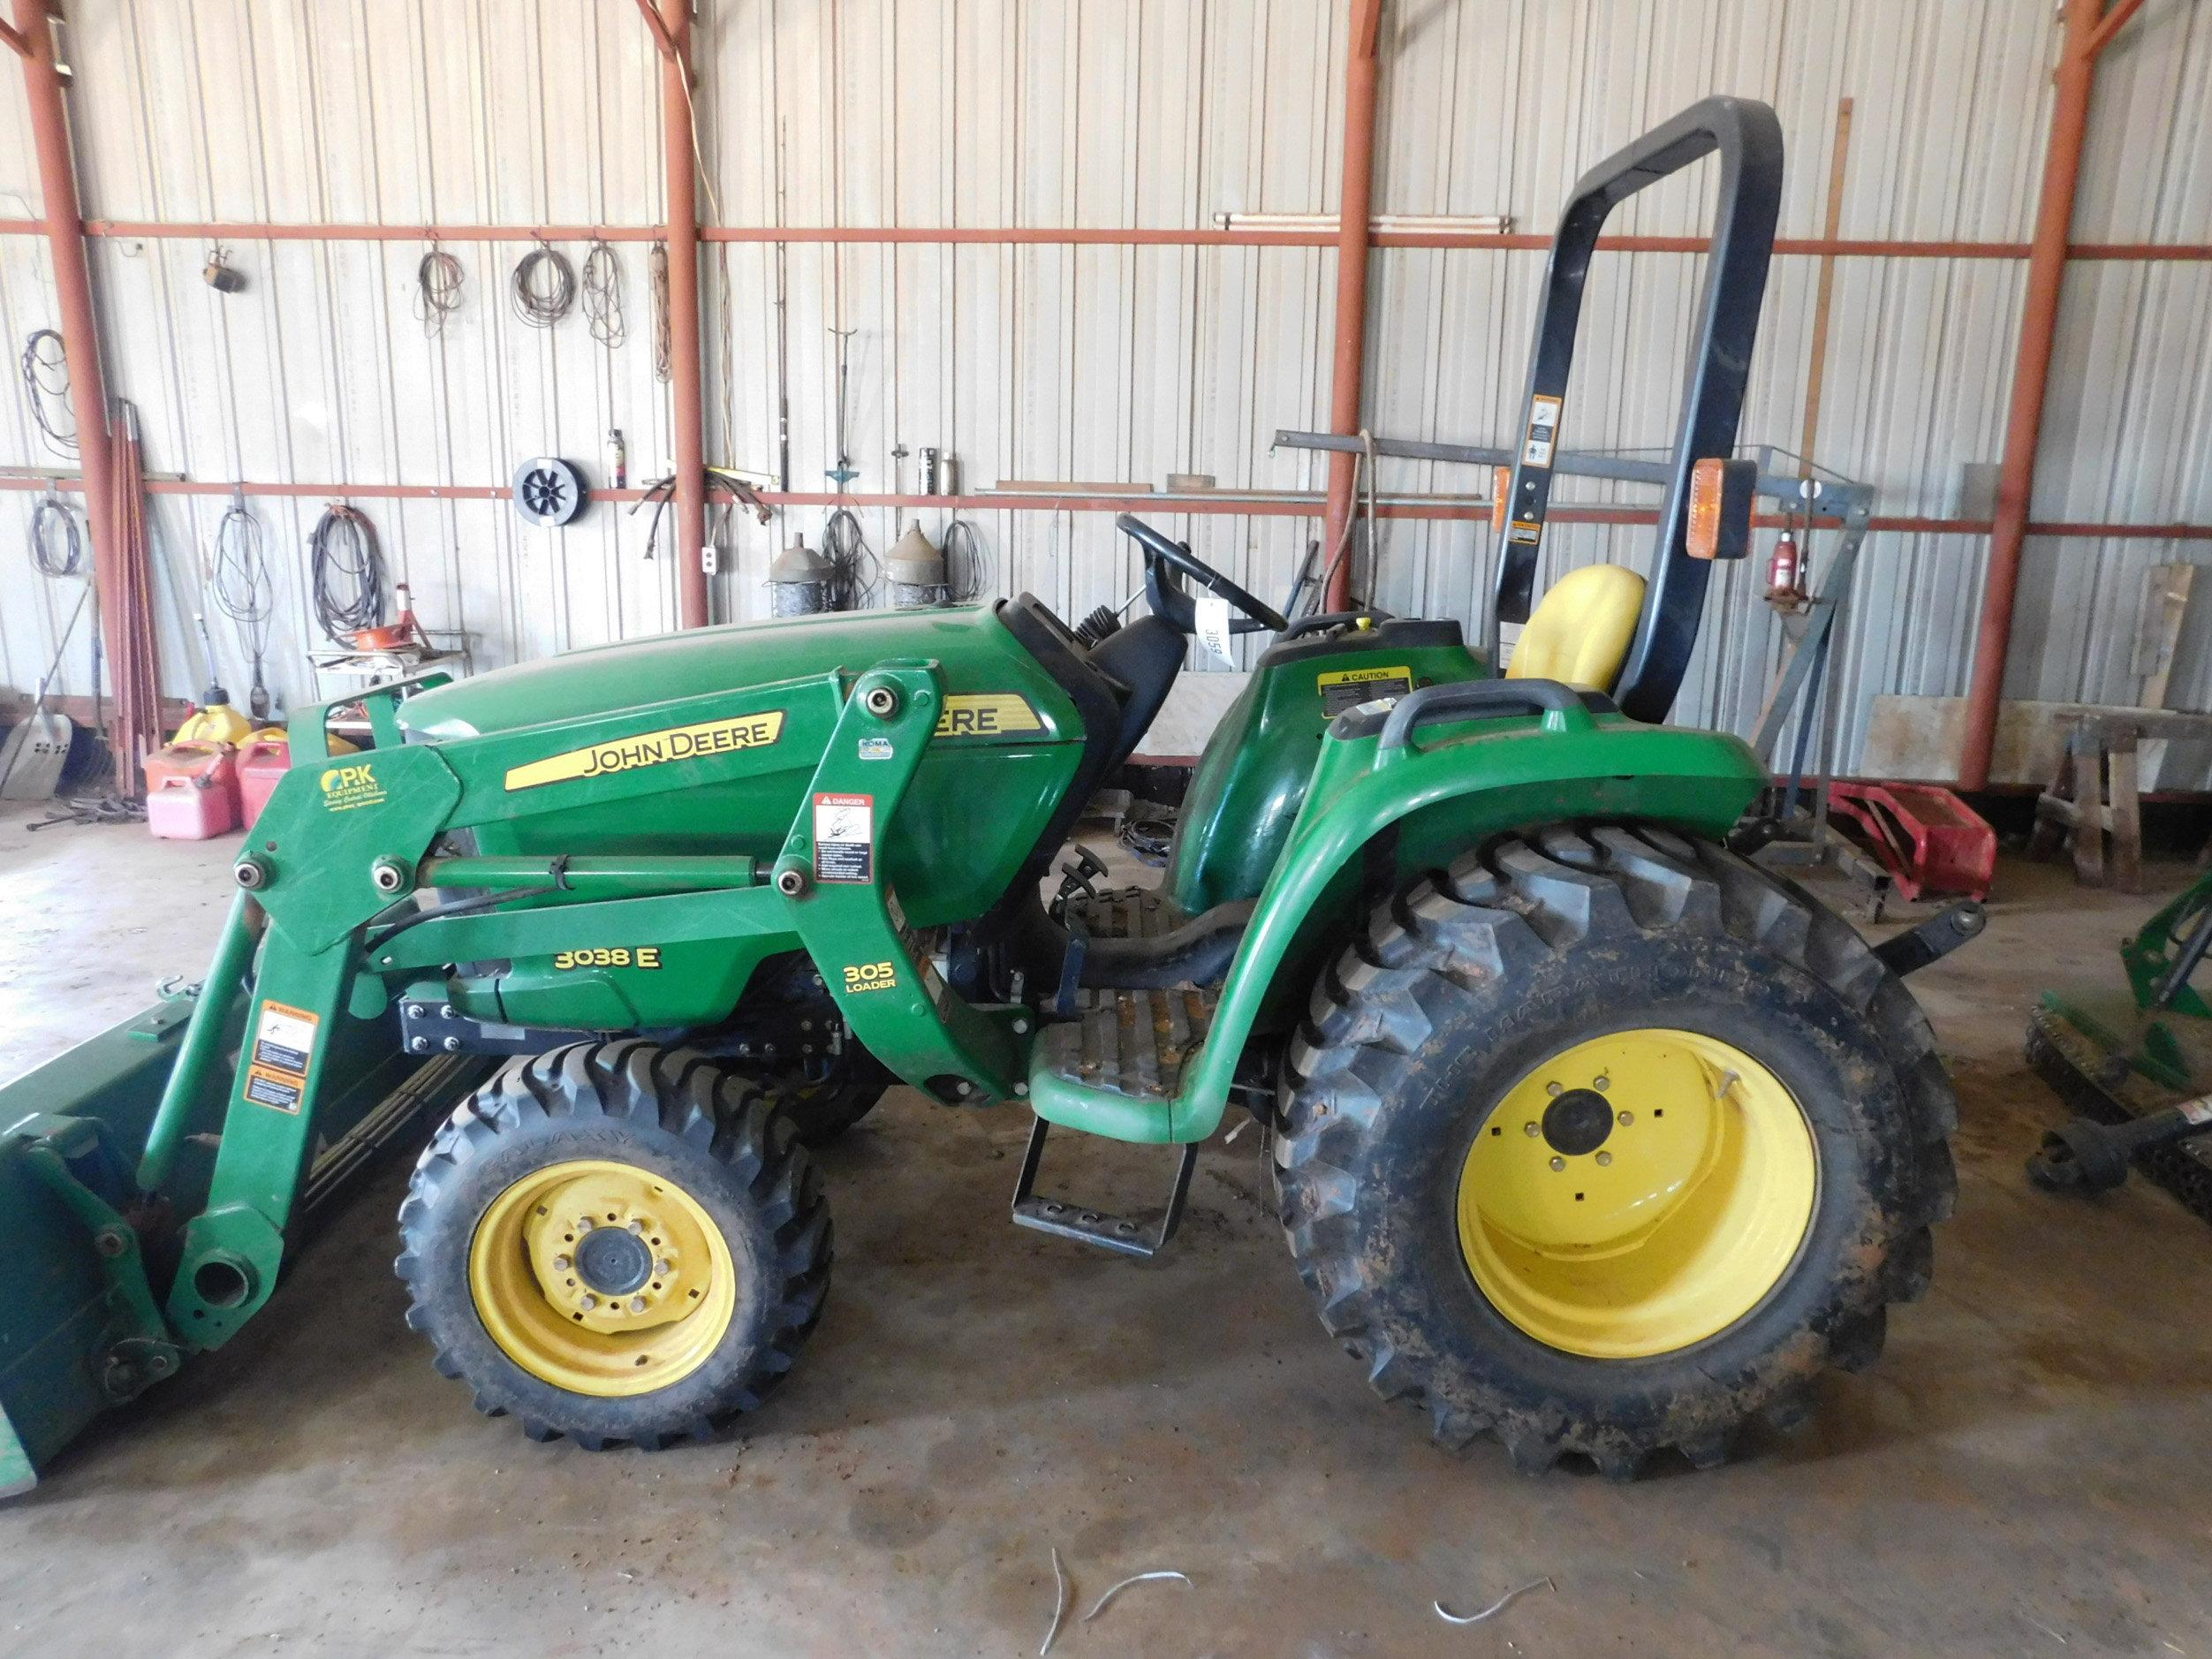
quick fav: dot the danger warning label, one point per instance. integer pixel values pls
(283, 1048)
(845, 838)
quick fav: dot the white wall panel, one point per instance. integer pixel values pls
(1108, 364)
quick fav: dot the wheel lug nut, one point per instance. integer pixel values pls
(1627, 1118)
(1605, 1157)
(661, 1266)
(1558, 1163)
(584, 1225)
(590, 1301)
(561, 1264)
(1602, 1084)
(637, 1226)
(1555, 1088)
(1530, 1128)
(637, 1304)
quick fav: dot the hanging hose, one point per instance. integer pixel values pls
(602, 295)
(657, 273)
(967, 567)
(347, 568)
(239, 582)
(439, 282)
(853, 567)
(45, 365)
(58, 549)
(544, 287)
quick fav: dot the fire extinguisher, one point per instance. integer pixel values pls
(1785, 570)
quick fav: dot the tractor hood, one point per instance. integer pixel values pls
(976, 655)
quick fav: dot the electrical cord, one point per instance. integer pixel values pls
(347, 568)
(239, 582)
(439, 279)
(853, 567)
(544, 287)
(45, 365)
(602, 295)
(656, 274)
(57, 548)
(967, 567)
(1362, 466)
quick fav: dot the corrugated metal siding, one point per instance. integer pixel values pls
(1110, 364)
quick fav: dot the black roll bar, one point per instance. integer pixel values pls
(1748, 140)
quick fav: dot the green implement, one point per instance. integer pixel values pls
(1584, 1131)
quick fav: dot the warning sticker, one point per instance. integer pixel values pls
(1348, 687)
(1525, 531)
(283, 1048)
(1543, 431)
(845, 838)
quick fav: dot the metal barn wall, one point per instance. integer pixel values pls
(1113, 364)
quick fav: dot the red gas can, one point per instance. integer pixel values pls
(263, 759)
(191, 792)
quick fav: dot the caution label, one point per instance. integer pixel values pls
(1525, 531)
(845, 838)
(652, 748)
(283, 1049)
(1543, 432)
(987, 715)
(1346, 688)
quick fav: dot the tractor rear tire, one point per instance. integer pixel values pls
(616, 1241)
(1444, 1116)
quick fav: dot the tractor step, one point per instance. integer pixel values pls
(1121, 912)
(1134, 1043)
(1121, 1234)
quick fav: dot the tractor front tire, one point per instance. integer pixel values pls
(616, 1241)
(1606, 1141)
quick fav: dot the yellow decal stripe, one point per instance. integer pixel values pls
(986, 714)
(652, 748)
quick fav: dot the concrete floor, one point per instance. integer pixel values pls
(2025, 1473)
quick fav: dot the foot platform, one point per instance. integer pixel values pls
(1121, 1234)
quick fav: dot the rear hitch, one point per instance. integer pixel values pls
(1933, 939)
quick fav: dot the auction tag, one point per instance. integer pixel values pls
(1213, 625)
(845, 838)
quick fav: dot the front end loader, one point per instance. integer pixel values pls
(1586, 1132)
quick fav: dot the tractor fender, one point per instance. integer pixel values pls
(1426, 802)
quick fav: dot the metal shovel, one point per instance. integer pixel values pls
(31, 763)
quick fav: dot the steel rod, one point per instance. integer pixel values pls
(1353, 237)
(687, 367)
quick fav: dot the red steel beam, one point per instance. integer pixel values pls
(1355, 207)
(2086, 35)
(80, 327)
(14, 39)
(687, 388)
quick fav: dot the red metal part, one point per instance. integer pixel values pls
(672, 32)
(1928, 839)
(1353, 235)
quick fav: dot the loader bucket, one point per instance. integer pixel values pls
(79, 1329)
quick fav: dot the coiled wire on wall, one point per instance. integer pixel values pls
(239, 582)
(439, 279)
(45, 366)
(602, 295)
(346, 568)
(656, 275)
(967, 567)
(58, 549)
(853, 567)
(544, 287)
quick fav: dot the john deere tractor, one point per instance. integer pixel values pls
(1586, 1132)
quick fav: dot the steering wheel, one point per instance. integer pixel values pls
(1169, 602)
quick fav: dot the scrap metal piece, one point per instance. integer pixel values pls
(1139, 1578)
(1495, 1607)
(1059, 1603)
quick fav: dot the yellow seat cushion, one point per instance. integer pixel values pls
(1580, 631)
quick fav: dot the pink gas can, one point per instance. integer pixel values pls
(191, 792)
(263, 759)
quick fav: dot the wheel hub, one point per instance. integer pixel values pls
(1578, 1122)
(614, 1262)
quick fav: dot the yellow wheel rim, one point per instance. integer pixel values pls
(602, 1278)
(1638, 1193)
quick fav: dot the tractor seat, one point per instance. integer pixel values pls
(1580, 631)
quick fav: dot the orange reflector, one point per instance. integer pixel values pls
(1708, 481)
(1501, 487)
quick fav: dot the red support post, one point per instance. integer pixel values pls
(1354, 210)
(671, 29)
(2088, 29)
(79, 328)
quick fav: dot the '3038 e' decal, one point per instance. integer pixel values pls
(870, 976)
(644, 956)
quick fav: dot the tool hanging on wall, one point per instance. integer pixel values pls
(544, 287)
(239, 582)
(783, 334)
(548, 491)
(347, 572)
(656, 275)
(438, 283)
(723, 478)
(843, 473)
(602, 295)
(220, 274)
(57, 548)
(45, 366)
(853, 567)
(967, 565)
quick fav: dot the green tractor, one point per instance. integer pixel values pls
(1585, 1130)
